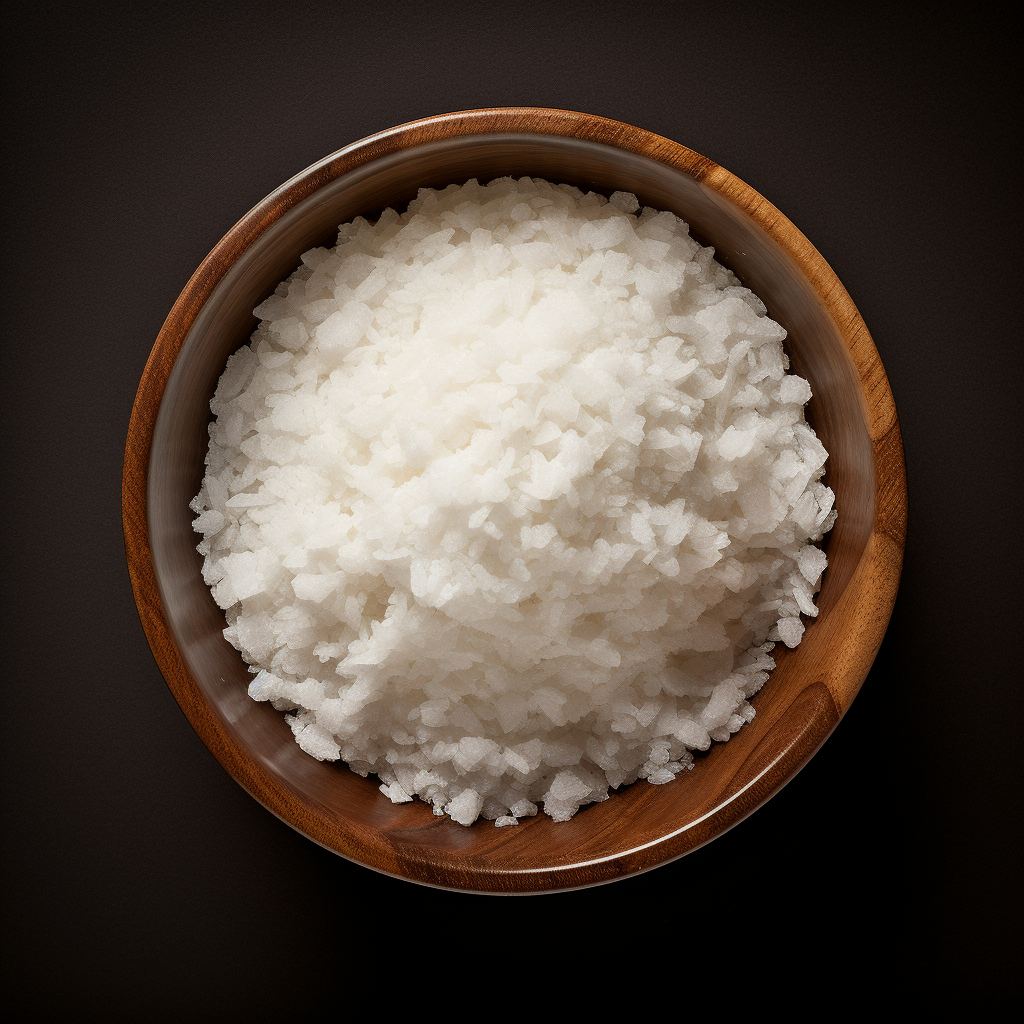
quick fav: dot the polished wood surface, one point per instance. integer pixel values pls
(642, 825)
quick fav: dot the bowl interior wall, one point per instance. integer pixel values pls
(336, 794)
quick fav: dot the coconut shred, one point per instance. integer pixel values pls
(509, 498)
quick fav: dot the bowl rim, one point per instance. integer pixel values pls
(878, 569)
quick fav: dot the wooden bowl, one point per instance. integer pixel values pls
(640, 826)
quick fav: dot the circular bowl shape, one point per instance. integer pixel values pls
(639, 826)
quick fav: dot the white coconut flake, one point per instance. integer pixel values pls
(509, 497)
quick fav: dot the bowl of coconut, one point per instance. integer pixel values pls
(514, 500)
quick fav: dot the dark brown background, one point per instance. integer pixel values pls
(142, 882)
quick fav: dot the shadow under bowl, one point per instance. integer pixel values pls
(641, 825)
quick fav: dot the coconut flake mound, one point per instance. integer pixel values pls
(509, 498)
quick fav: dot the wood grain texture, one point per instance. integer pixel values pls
(642, 825)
